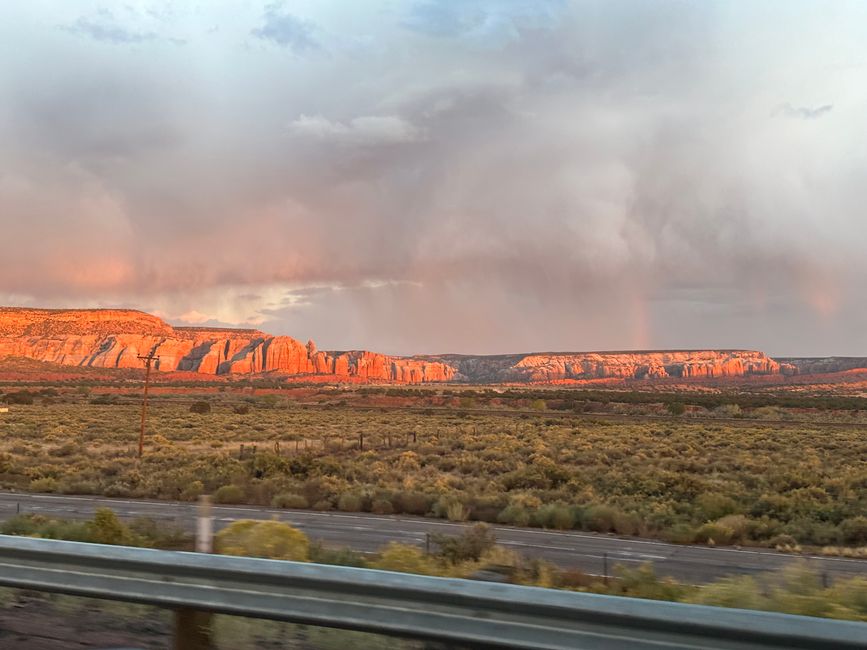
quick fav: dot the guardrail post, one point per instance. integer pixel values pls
(192, 630)
(193, 627)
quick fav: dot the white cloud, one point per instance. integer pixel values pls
(362, 130)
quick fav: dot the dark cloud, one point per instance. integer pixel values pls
(282, 28)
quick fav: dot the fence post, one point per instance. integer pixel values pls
(193, 627)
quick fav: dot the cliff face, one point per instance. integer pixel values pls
(115, 338)
(614, 365)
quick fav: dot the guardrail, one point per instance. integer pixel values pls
(463, 612)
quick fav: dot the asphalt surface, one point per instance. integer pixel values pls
(366, 532)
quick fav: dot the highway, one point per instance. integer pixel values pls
(367, 532)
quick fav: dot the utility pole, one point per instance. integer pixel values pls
(148, 359)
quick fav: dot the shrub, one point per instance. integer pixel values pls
(46, 484)
(20, 397)
(382, 507)
(679, 534)
(854, 530)
(193, 491)
(676, 408)
(555, 515)
(106, 528)
(268, 539)
(600, 518)
(289, 500)
(728, 411)
(714, 534)
(413, 503)
(323, 504)
(470, 545)
(349, 502)
(229, 494)
(200, 407)
(406, 559)
(241, 409)
(514, 515)
(713, 505)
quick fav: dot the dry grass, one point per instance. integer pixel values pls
(679, 480)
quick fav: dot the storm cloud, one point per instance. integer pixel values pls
(486, 176)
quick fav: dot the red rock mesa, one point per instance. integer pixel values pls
(114, 338)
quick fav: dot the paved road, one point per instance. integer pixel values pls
(366, 532)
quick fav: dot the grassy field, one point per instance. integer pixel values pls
(683, 481)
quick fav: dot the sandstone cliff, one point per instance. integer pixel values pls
(115, 338)
(613, 365)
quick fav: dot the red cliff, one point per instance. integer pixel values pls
(114, 338)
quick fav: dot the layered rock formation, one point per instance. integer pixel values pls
(613, 365)
(115, 338)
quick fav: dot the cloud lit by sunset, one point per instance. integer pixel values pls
(432, 176)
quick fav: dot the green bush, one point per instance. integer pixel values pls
(46, 484)
(229, 494)
(382, 507)
(713, 506)
(350, 502)
(514, 515)
(470, 545)
(20, 397)
(676, 408)
(106, 528)
(268, 539)
(413, 503)
(854, 530)
(558, 516)
(289, 500)
(200, 407)
(600, 518)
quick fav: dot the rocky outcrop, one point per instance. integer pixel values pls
(822, 365)
(548, 367)
(114, 338)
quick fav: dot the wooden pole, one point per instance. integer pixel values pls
(144, 402)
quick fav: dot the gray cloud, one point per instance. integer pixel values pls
(103, 27)
(484, 21)
(284, 29)
(806, 112)
(594, 175)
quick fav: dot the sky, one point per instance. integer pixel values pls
(427, 176)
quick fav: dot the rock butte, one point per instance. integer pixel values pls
(114, 338)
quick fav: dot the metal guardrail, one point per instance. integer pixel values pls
(462, 612)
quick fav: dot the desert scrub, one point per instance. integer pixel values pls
(685, 480)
